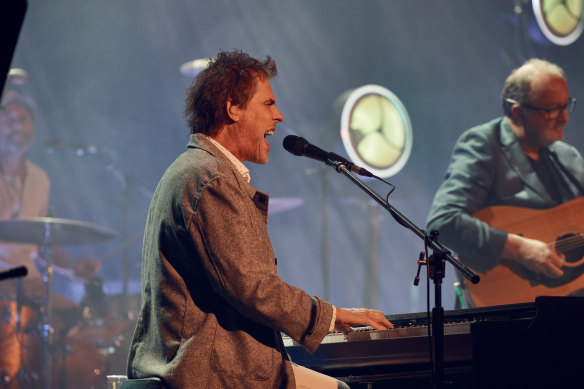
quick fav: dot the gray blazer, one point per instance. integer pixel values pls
(213, 305)
(488, 167)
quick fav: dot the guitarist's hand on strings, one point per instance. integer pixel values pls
(534, 254)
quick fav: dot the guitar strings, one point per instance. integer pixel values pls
(569, 243)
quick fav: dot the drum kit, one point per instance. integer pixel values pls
(47, 340)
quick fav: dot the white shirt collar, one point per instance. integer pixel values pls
(241, 168)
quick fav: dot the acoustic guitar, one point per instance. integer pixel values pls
(561, 227)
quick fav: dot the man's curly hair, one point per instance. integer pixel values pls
(233, 75)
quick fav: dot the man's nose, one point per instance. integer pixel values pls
(278, 116)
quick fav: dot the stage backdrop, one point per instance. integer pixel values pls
(106, 80)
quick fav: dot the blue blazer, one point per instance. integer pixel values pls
(487, 168)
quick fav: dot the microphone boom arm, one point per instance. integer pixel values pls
(401, 219)
(435, 266)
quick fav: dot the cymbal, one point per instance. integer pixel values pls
(56, 231)
(282, 204)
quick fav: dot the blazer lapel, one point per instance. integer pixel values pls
(259, 199)
(518, 161)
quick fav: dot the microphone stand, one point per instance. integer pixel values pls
(127, 184)
(124, 181)
(324, 243)
(436, 270)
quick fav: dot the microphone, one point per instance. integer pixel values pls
(300, 146)
(80, 149)
(20, 271)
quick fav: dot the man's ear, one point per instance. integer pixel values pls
(233, 111)
(517, 114)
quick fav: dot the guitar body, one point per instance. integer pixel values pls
(562, 227)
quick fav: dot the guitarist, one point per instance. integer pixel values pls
(518, 160)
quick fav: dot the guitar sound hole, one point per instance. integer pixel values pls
(572, 246)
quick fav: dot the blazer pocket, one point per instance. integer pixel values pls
(239, 354)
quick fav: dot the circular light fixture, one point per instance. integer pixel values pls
(194, 67)
(376, 130)
(560, 20)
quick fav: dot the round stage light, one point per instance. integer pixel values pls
(376, 130)
(560, 21)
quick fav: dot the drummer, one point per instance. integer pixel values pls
(24, 186)
(24, 190)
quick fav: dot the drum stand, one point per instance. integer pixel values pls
(45, 252)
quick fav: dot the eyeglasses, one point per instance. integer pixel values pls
(548, 113)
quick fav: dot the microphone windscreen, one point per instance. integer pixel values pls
(295, 144)
(20, 271)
